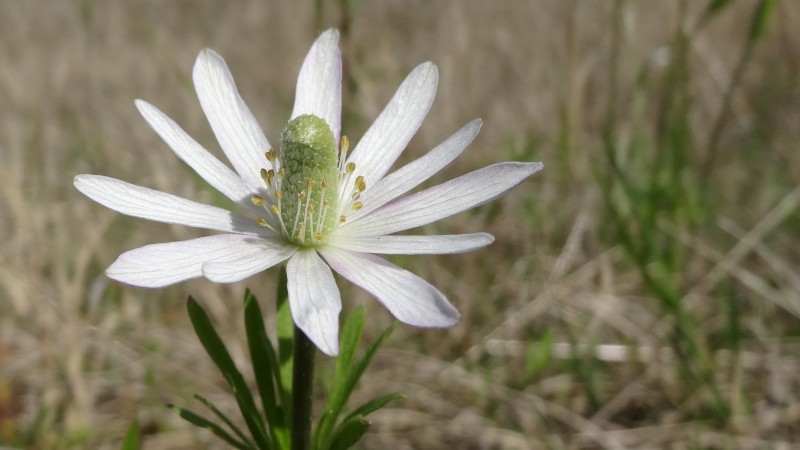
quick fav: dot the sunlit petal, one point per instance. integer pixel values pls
(159, 265)
(217, 174)
(415, 245)
(236, 129)
(314, 300)
(408, 297)
(383, 142)
(319, 85)
(252, 257)
(443, 200)
(138, 201)
(409, 176)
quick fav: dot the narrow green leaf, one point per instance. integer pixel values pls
(224, 418)
(359, 369)
(761, 18)
(715, 6)
(349, 384)
(349, 433)
(374, 405)
(131, 441)
(285, 326)
(322, 426)
(202, 422)
(219, 354)
(349, 338)
(266, 369)
(350, 335)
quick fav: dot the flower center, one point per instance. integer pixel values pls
(303, 186)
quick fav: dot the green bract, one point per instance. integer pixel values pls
(310, 184)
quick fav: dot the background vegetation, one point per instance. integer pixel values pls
(643, 290)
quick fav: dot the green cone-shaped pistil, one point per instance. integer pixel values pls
(310, 183)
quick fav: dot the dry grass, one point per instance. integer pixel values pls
(80, 357)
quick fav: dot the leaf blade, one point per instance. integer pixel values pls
(219, 354)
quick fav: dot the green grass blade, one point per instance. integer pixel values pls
(761, 19)
(285, 326)
(374, 405)
(349, 433)
(266, 369)
(224, 418)
(131, 441)
(353, 376)
(219, 354)
(349, 337)
(358, 370)
(202, 422)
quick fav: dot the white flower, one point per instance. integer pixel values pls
(311, 203)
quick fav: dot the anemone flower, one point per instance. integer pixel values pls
(312, 203)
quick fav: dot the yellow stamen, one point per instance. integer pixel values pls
(257, 200)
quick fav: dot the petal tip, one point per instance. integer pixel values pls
(206, 60)
(330, 33)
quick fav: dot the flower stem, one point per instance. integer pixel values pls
(302, 385)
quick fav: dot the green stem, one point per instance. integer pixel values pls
(302, 385)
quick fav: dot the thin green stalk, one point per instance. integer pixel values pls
(302, 385)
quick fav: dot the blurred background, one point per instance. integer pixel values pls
(643, 290)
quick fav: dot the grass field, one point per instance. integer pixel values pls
(643, 290)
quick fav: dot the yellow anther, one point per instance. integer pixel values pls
(275, 209)
(310, 209)
(309, 183)
(357, 206)
(351, 167)
(360, 184)
(318, 236)
(281, 172)
(278, 195)
(257, 200)
(262, 222)
(355, 195)
(344, 144)
(324, 184)
(302, 196)
(271, 155)
(265, 175)
(301, 225)
(342, 219)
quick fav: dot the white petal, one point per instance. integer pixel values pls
(319, 85)
(409, 176)
(256, 256)
(388, 136)
(150, 204)
(204, 163)
(442, 201)
(236, 129)
(408, 297)
(415, 245)
(314, 299)
(159, 265)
